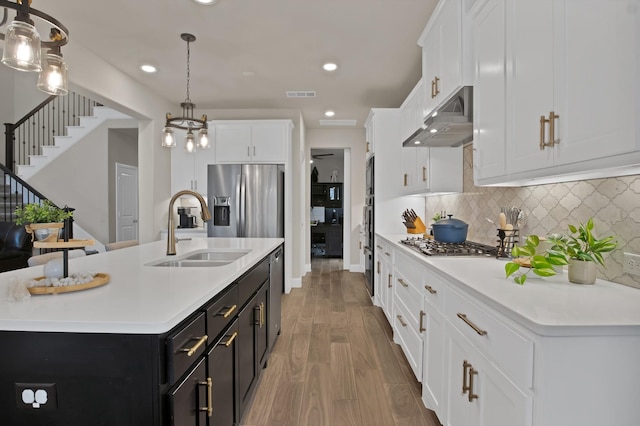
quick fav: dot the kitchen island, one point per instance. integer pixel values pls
(543, 354)
(145, 348)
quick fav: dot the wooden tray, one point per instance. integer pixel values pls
(99, 280)
(63, 244)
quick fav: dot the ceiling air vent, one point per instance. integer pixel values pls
(338, 122)
(301, 93)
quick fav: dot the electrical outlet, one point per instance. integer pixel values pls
(631, 264)
(40, 396)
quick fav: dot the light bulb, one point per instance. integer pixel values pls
(203, 139)
(168, 138)
(53, 77)
(22, 47)
(189, 143)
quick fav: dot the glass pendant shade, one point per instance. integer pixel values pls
(53, 77)
(189, 142)
(22, 47)
(203, 139)
(168, 138)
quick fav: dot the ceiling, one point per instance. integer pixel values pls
(249, 52)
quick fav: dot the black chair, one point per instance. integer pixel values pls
(15, 246)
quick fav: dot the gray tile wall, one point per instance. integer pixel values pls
(614, 204)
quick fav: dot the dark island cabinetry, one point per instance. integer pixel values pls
(202, 372)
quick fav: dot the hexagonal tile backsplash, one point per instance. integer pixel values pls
(614, 204)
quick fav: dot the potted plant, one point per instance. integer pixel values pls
(528, 256)
(43, 220)
(582, 251)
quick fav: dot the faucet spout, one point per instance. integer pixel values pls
(171, 232)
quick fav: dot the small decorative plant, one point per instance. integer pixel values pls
(527, 256)
(45, 212)
(582, 244)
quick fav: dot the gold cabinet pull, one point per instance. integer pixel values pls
(367, 146)
(430, 289)
(404, 324)
(209, 407)
(422, 314)
(360, 245)
(436, 84)
(401, 281)
(406, 177)
(194, 348)
(465, 366)
(424, 174)
(472, 372)
(477, 329)
(380, 247)
(231, 339)
(261, 314)
(543, 121)
(433, 89)
(552, 128)
(386, 253)
(378, 267)
(389, 281)
(229, 311)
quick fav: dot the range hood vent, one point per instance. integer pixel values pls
(449, 125)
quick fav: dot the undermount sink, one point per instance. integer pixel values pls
(202, 259)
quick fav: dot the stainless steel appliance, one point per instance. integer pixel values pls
(187, 220)
(369, 216)
(246, 200)
(430, 247)
(276, 288)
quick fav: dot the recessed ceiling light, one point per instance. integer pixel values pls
(206, 2)
(329, 113)
(148, 68)
(434, 130)
(417, 142)
(330, 66)
(310, 161)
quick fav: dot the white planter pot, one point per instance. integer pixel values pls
(581, 272)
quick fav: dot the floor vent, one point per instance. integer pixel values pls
(301, 93)
(338, 122)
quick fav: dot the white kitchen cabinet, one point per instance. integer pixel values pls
(252, 141)
(369, 134)
(189, 169)
(568, 90)
(434, 362)
(445, 57)
(383, 130)
(431, 170)
(383, 277)
(412, 112)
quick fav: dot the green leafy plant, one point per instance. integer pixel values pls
(581, 244)
(436, 217)
(45, 212)
(527, 256)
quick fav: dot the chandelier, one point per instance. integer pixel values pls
(22, 46)
(186, 121)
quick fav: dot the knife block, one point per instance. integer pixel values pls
(420, 227)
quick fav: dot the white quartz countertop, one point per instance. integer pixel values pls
(547, 306)
(139, 299)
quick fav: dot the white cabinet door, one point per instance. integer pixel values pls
(430, 170)
(480, 394)
(232, 143)
(269, 142)
(596, 72)
(434, 363)
(370, 128)
(489, 91)
(182, 168)
(203, 157)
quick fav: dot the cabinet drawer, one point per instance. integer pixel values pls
(409, 296)
(185, 346)
(409, 339)
(221, 312)
(251, 282)
(410, 269)
(511, 350)
(433, 288)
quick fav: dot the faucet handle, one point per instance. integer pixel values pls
(182, 239)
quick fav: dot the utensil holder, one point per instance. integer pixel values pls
(420, 227)
(507, 239)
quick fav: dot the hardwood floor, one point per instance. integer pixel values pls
(334, 362)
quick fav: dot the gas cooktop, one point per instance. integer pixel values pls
(431, 247)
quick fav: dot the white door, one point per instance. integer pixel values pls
(126, 202)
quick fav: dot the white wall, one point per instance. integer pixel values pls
(353, 139)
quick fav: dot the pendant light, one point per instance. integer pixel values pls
(23, 46)
(186, 121)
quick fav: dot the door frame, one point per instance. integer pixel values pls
(120, 167)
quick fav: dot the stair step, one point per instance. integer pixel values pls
(38, 160)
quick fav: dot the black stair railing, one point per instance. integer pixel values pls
(39, 127)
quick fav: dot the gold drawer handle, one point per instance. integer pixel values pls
(231, 339)
(404, 324)
(424, 174)
(194, 348)
(387, 253)
(477, 329)
(209, 407)
(389, 281)
(405, 179)
(465, 366)
(380, 247)
(472, 372)
(401, 281)
(231, 309)
(430, 289)
(422, 314)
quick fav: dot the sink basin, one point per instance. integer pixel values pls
(202, 259)
(217, 255)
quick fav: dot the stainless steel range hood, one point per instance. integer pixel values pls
(449, 125)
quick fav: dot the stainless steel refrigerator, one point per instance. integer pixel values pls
(246, 200)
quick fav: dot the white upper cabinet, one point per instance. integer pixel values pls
(383, 131)
(431, 170)
(445, 59)
(189, 169)
(253, 141)
(569, 90)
